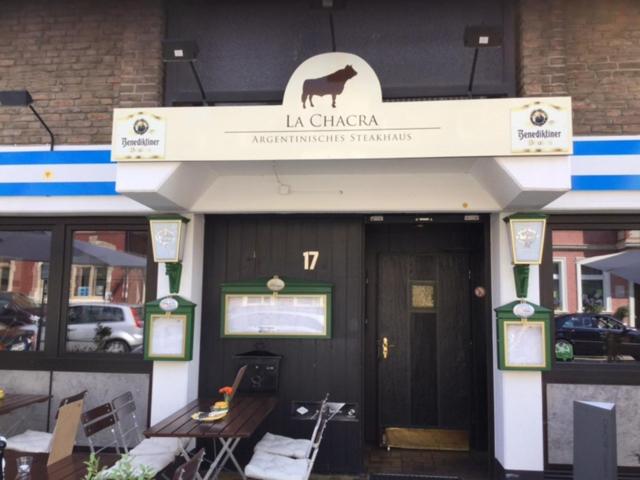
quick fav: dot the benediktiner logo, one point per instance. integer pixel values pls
(141, 126)
(539, 117)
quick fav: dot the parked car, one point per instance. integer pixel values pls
(17, 340)
(16, 309)
(595, 335)
(107, 327)
(19, 318)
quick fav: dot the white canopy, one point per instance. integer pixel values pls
(625, 264)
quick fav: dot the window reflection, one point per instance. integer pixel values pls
(596, 279)
(24, 274)
(107, 291)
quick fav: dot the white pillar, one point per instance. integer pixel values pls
(519, 444)
(176, 383)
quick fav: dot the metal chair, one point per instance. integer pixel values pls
(124, 407)
(287, 446)
(269, 466)
(189, 470)
(156, 453)
(98, 420)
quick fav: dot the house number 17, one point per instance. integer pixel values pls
(310, 259)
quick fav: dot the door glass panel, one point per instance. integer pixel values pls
(107, 291)
(24, 275)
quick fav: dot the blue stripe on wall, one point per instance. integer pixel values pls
(56, 157)
(57, 189)
(605, 182)
(606, 147)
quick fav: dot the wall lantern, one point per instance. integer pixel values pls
(185, 51)
(22, 98)
(527, 231)
(167, 239)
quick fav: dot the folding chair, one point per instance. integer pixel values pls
(189, 470)
(269, 466)
(58, 444)
(290, 447)
(127, 424)
(156, 452)
(98, 420)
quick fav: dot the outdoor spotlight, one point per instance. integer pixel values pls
(22, 98)
(328, 4)
(477, 37)
(184, 51)
(482, 36)
(179, 50)
(15, 98)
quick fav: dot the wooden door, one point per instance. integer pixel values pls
(424, 313)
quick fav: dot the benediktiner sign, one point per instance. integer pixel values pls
(333, 109)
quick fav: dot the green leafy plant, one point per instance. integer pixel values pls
(621, 312)
(123, 470)
(102, 332)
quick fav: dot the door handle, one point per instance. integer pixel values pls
(385, 348)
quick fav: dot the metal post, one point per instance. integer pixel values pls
(333, 32)
(473, 73)
(43, 124)
(202, 92)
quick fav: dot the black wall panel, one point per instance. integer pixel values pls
(250, 48)
(248, 247)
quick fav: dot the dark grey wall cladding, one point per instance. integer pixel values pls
(249, 49)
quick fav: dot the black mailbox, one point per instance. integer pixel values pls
(263, 370)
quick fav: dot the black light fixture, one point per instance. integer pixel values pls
(184, 51)
(22, 98)
(480, 36)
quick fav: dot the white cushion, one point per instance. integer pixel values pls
(160, 444)
(279, 445)
(154, 453)
(265, 466)
(30, 441)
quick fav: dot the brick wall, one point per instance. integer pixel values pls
(589, 49)
(79, 59)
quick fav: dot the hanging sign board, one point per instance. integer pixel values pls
(333, 109)
(168, 329)
(523, 344)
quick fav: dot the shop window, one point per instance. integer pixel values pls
(107, 291)
(74, 286)
(596, 281)
(24, 262)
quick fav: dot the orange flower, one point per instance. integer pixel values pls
(226, 391)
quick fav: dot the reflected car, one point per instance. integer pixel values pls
(17, 340)
(16, 309)
(110, 327)
(19, 318)
(595, 335)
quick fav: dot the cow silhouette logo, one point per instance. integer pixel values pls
(332, 84)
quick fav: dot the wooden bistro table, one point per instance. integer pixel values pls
(244, 417)
(72, 467)
(15, 401)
